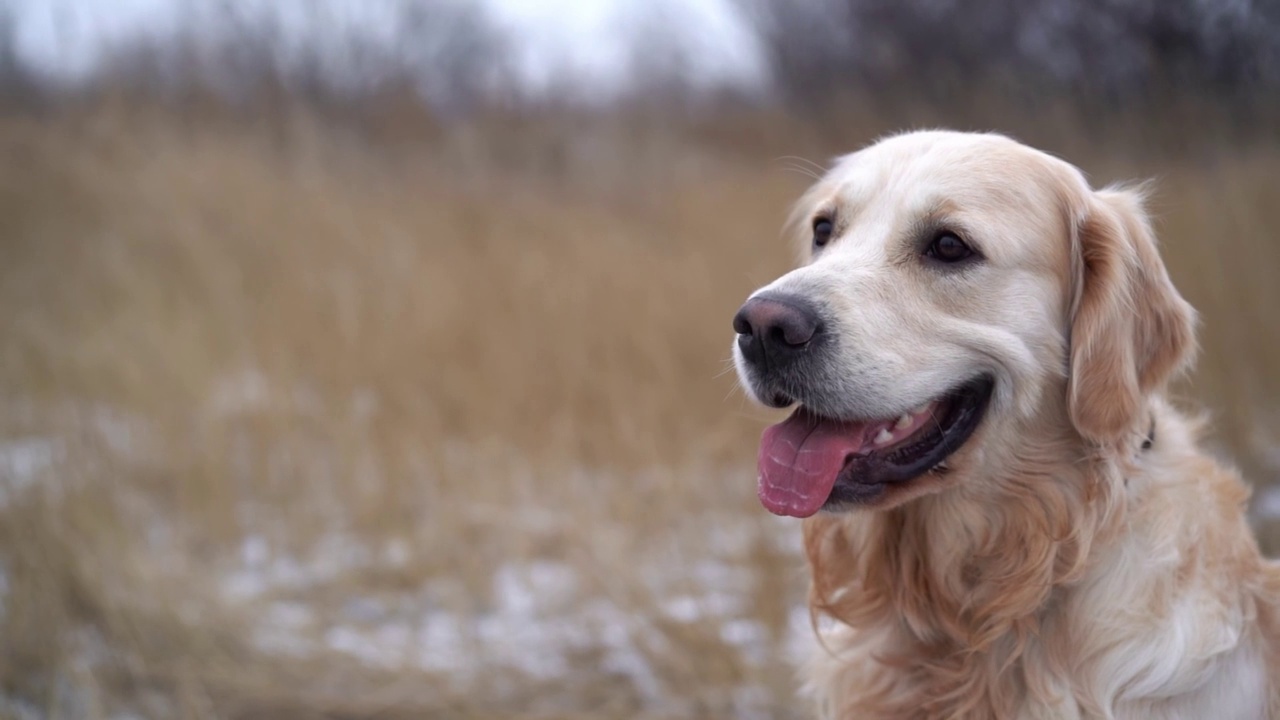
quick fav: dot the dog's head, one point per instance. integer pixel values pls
(956, 288)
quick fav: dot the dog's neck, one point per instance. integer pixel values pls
(964, 577)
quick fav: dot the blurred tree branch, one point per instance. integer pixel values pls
(1106, 50)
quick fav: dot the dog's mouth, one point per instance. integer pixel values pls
(810, 463)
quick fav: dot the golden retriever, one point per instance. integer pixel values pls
(1006, 517)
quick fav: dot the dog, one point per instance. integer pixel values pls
(1006, 516)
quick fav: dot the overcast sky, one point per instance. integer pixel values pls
(592, 41)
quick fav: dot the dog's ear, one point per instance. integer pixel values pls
(1131, 331)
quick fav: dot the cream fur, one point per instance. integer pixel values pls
(1059, 570)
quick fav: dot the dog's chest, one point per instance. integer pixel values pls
(1195, 661)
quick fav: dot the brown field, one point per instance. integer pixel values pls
(319, 419)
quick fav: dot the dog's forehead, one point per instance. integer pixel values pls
(958, 168)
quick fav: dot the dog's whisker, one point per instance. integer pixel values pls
(800, 159)
(732, 391)
(803, 171)
(724, 372)
(799, 165)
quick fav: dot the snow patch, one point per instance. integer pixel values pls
(23, 461)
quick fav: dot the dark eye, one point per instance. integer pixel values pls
(948, 248)
(822, 229)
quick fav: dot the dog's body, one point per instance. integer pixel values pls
(1150, 603)
(1006, 517)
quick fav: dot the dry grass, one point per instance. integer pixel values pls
(308, 423)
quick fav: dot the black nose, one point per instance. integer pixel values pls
(774, 329)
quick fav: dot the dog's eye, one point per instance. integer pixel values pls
(822, 229)
(948, 248)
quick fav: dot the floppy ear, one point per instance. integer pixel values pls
(1131, 331)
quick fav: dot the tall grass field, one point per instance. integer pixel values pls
(398, 418)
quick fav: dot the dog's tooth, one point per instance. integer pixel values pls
(903, 421)
(920, 410)
(883, 436)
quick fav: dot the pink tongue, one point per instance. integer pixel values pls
(800, 458)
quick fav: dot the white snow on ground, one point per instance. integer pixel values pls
(538, 618)
(261, 572)
(23, 461)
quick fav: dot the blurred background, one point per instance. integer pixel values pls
(369, 358)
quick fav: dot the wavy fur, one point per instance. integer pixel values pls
(1065, 566)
